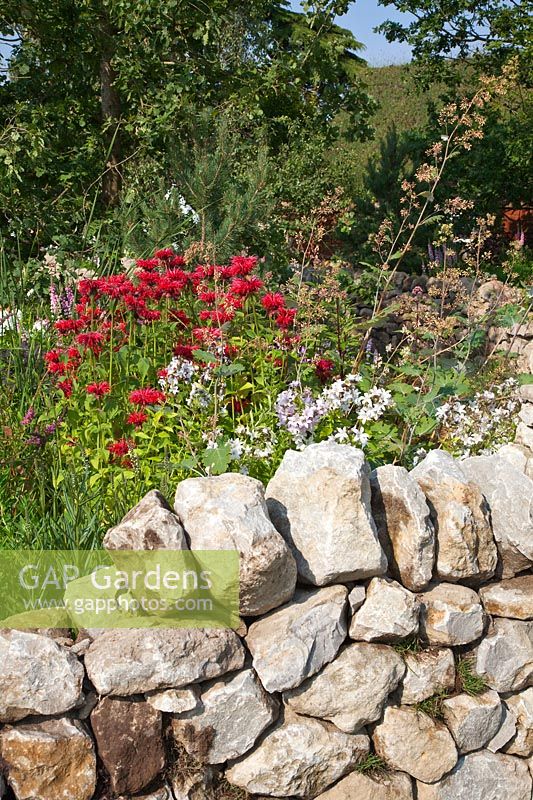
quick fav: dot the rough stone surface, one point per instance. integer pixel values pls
(526, 414)
(413, 742)
(358, 786)
(37, 676)
(49, 760)
(405, 529)
(300, 756)
(356, 598)
(510, 496)
(524, 435)
(466, 547)
(481, 776)
(136, 661)
(229, 512)
(427, 673)
(451, 615)
(234, 712)
(510, 598)
(150, 525)
(194, 783)
(472, 721)
(319, 500)
(516, 454)
(504, 658)
(351, 691)
(296, 641)
(164, 793)
(521, 706)
(174, 701)
(390, 613)
(129, 738)
(505, 732)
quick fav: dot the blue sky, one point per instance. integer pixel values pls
(361, 18)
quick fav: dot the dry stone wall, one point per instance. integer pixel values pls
(385, 650)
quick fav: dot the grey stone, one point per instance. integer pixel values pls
(413, 742)
(390, 613)
(481, 776)
(150, 525)
(319, 499)
(504, 658)
(234, 712)
(229, 512)
(37, 676)
(427, 673)
(451, 615)
(126, 662)
(510, 496)
(352, 690)
(466, 546)
(405, 529)
(472, 720)
(300, 756)
(297, 640)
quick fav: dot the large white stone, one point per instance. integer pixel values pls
(524, 435)
(37, 676)
(300, 756)
(229, 512)
(521, 706)
(50, 759)
(296, 641)
(390, 613)
(516, 454)
(526, 414)
(352, 690)
(481, 776)
(413, 742)
(427, 673)
(234, 712)
(505, 732)
(466, 546)
(510, 496)
(125, 662)
(380, 786)
(504, 657)
(405, 529)
(150, 525)
(510, 598)
(319, 500)
(473, 721)
(451, 615)
(174, 701)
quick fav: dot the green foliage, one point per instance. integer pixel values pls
(432, 706)
(410, 645)
(471, 683)
(483, 31)
(97, 84)
(371, 763)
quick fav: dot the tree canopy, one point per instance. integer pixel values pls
(94, 83)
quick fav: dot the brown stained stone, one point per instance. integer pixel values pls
(49, 760)
(129, 741)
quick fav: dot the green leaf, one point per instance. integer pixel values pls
(204, 355)
(217, 459)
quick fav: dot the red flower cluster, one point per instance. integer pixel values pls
(137, 418)
(324, 369)
(146, 397)
(112, 309)
(99, 389)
